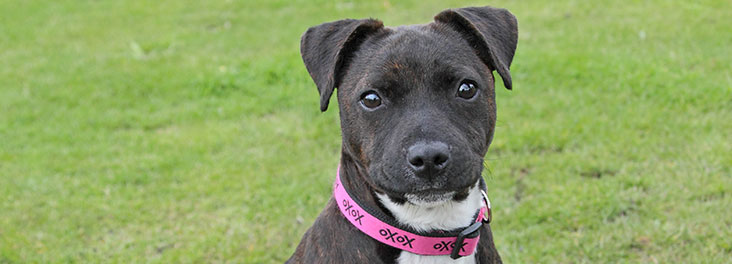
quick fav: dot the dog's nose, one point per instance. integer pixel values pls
(426, 159)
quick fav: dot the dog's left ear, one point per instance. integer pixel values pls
(493, 33)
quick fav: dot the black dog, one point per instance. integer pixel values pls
(417, 107)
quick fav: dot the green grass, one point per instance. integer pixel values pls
(171, 131)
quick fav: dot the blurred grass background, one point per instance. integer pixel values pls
(189, 131)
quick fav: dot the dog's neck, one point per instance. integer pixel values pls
(352, 177)
(449, 215)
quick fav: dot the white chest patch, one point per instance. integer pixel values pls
(435, 216)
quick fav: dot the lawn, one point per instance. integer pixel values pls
(190, 132)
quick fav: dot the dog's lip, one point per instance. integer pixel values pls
(425, 191)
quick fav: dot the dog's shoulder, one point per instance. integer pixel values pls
(332, 239)
(486, 250)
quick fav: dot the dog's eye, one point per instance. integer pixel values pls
(467, 90)
(370, 100)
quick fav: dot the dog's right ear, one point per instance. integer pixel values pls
(328, 47)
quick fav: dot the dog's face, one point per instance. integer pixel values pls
(417, 103)
(418, 111)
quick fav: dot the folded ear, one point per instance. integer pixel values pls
(328, 47)
(493, 33)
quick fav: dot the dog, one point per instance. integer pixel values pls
(418, 112)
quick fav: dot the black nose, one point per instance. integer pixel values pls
(427, 159)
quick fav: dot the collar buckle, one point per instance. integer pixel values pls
(469, 232)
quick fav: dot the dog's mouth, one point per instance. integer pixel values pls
(425, 193)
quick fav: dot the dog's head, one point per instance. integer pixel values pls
(417, 103)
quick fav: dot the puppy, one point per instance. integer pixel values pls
(417, 110)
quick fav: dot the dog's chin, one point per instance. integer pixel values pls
(435, 197)
(429, 199)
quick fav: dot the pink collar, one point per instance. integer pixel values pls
(456, 244)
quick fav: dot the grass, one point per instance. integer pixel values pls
(189, 131)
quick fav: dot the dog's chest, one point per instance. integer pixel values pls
(411, 258)
(447, 216)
